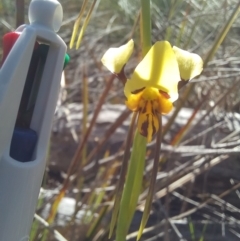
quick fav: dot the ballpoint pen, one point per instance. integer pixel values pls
(30, 74)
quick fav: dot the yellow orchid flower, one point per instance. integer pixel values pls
(153, 86)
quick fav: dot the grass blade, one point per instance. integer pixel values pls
(122, 176)
(77, 24)
(132, 187)
(150, 194)
(85, 24)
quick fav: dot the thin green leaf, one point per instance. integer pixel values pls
(151, 189)
(203, 232)
(132, 187)
(96, 223)
(191, 229)
(121, 181)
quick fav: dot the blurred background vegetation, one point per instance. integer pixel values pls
(197, 195)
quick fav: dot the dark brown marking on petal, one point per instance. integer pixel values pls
(137, 91)
(182, 83)
(144, 109)
(165, 94)
(144, 127)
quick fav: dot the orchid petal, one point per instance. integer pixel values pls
(115, 58)
(165, 105)
(133, 101)
(190, 64)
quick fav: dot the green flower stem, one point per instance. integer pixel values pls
(146, 26)
(132, 186)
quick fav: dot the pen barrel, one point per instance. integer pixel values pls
(20, 180)
(19, 189)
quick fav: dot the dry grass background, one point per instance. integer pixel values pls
(197, 195)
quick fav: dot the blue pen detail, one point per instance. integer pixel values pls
(23, 144)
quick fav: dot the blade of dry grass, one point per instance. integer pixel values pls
(77, 23)
(85, 24)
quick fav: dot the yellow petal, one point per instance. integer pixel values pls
(190, 64)
(159, 69)
(115, 58)
(164, 104)
(133, 101)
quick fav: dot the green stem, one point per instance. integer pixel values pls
(146, 26)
